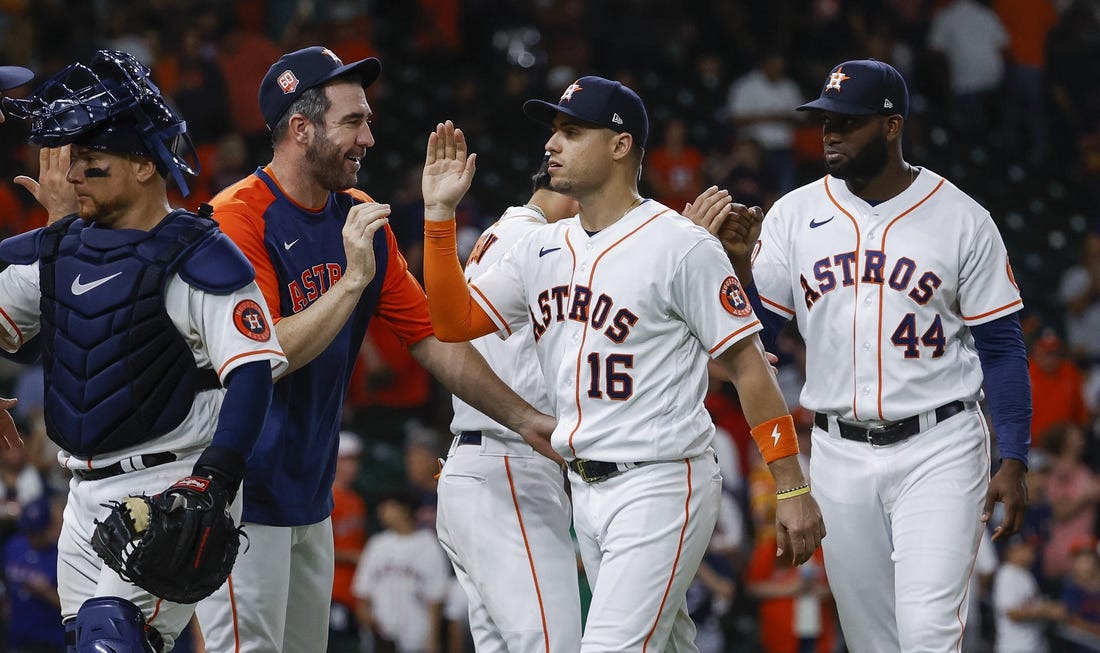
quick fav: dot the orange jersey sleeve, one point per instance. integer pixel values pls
(402, 304)
(244, 225)
(455, 316)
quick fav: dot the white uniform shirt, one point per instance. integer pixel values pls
(884, 295)
(401, 575)
(756, 94)
(208, 324)
(623, 321)
(514, 359)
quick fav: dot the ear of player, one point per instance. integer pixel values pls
(179, 545)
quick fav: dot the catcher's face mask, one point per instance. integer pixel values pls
(111, 105)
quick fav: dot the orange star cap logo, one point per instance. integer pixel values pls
(835, 79)
(568, 94)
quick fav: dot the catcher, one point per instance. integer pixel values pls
(158, 356)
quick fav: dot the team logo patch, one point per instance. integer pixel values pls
(733, 298)
(568, 94)
(248, 317)
(288, 82)
(332, 55)
(836, 79)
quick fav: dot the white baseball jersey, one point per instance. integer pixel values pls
(503, 513)
(885, 294)
(402, 575)
(512, 358)
(209, 325)
(622, 322)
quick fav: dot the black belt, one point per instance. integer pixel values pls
(131, 464)
(594, 471)
(882, 434)
(469, 437)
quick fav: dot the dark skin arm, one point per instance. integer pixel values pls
(1009, 487)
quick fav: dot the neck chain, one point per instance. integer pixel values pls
(537, 209)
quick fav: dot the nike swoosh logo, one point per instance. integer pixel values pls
(81, 288)
(292, 243)
(814, 224)
(544, 251)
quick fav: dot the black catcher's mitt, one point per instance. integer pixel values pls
(179, 545)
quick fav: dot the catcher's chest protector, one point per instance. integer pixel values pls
(117, 371)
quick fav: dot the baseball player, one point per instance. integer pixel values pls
(903, 292)
(156, 344)
(327, 262)
(625, 302)
(503, 514)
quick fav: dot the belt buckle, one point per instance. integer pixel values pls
(582, 469)
(879, 427)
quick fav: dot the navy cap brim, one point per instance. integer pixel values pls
(545, 112)
(368, 70)
(837, 106)
(14, 76)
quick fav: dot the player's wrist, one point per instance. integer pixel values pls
(438, 213)
(776, 438)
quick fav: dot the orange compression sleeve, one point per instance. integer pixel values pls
(456, 317)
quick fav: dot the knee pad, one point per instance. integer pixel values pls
(109, 624)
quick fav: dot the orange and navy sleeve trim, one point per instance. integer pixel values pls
(241, 218)
(402, 304)
(455, 315)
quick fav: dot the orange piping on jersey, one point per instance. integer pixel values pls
(473, 313)
(996, 310)
(233, 615)
(249, 353)
(855, 225)
(156, 611)
(18, 333)
(732, 335)
(881, 295)
(584, 333)
(788, 311)
(530, 557)
(675, 561)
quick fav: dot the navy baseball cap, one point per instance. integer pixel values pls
(602, 102)
(297, 72)
(861, 88)
(13, 76)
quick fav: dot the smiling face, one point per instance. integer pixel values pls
(856, 147)
(342, 138)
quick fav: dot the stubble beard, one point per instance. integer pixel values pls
(864, 165)
(327, 165)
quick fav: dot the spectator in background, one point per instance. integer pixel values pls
(1027, 23)
(1018, 606)
(30, 577)
(1080, 614)
(760, 107)
(349, 535)
(20, 484)
(1074, 493)
(972, 41)
(423, 447)
(401, 581)
(244, 57)
(674, 168)
(1057, 389)
(1079, 293)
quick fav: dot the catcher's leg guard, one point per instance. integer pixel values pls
(109, 624)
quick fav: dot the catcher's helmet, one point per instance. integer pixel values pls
(109, 104)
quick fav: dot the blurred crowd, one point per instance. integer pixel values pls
(1005, 102)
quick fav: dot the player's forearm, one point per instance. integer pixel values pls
(1003, 356)
(304, 335)
(455, 315)
(462, 371)
(763, 404)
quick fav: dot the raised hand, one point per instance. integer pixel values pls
(448, 172)
(362, 222)
(52, 189)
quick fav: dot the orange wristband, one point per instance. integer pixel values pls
(776, 438)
